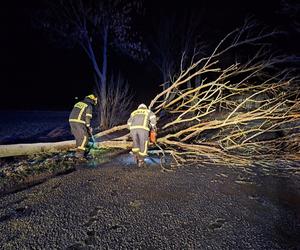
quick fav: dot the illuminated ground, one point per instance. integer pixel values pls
(119, 206)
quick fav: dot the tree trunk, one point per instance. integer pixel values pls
(103, 87)
(48, 147)
(51, 147)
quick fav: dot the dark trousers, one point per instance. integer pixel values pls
(140, 139)
(81, 135)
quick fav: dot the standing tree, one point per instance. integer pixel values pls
(291, 11)
(97, 27)
(119, 98)
(175, 40)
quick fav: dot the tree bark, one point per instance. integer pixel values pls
(51, 147)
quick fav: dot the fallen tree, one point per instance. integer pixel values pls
(34, 148)
(235, 113)
(222, 109)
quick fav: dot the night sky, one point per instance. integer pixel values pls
(36, 75)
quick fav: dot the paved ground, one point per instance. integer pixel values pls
(118, 206)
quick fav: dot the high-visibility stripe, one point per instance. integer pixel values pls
(139, 112)
(76, 120)
(146, 147)
(145, 120)
(80, 105)
(83, 143)
(81, 112)
(135, 150)
(145, 113)
(90, 115)
(144, 153)
(143, 127)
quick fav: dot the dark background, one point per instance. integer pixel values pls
(36, 75)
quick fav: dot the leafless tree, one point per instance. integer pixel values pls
(119, 98)
(175, 37)
(97, 27)
(292, 11)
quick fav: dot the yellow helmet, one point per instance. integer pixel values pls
(93, 97)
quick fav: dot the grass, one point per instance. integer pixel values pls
(19, 172)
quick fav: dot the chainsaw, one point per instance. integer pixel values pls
(153, 139)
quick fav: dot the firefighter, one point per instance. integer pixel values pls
(80, 123)
(140, 123)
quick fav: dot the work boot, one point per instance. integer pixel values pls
(79, 155)
(87, 154)
(88, 157)
(141, 163)
(135, 157)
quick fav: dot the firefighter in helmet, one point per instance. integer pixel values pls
(80, 123)
(140, 123)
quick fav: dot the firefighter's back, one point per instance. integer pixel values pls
(78, 112)
(140, 119)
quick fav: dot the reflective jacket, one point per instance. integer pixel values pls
(82, 112)
(142, 118)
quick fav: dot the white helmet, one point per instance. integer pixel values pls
(142, 106)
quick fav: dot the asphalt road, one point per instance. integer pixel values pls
(119, 206)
